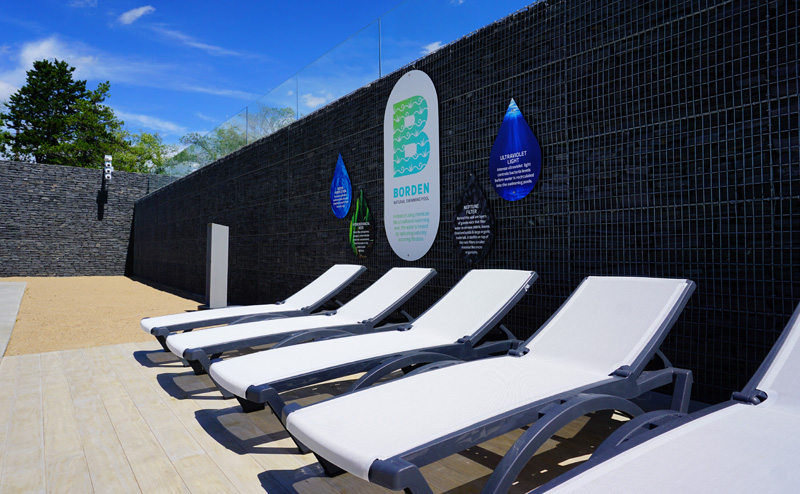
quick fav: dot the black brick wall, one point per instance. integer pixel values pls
(49, 219)
(669, 136)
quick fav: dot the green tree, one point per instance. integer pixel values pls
(54, 119)
(4, 143)
(221, 141)
(264, 120)
(143, 152)
(232, 135)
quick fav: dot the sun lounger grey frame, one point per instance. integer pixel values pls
(466, 348)
(161, 332)
(545, 417)
(200, 358)
(650, 425)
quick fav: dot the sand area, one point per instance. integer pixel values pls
(88, 311)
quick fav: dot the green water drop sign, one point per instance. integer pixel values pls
(362, 232)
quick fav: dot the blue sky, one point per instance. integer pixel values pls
(178, 67)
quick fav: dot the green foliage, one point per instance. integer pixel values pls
(223, 140)
(142, 152)
(54, 119)
(264, 120)
(232, 135)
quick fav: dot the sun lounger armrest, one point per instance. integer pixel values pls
(551, 419)
(433, 366)
(289, 408)
(396, 363)
(316, 334)
(637, 425)
(161, 331)
(398, 474)
(264, 317)
(265, 394)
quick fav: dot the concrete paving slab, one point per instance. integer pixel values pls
(10, 297)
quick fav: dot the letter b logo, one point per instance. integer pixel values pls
(412, 148)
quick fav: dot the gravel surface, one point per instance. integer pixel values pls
(87, 311)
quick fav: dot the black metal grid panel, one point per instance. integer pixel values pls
(669, 136)
(683, 166)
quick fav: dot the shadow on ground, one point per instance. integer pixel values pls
(157, 358)
(254, 430)
(172, 290)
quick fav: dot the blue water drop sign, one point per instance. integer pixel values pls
(516, 159)
(341, 190)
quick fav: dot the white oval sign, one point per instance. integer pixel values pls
(411, 189)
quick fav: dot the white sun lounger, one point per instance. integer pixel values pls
(589, 356)
(359, 315)
(748, 444)
(454, 327)
(304, 302)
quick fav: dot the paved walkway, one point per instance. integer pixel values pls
(10, 298)
(130, 418)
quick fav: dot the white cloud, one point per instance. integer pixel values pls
(152, 123)
(49, 49)
(205, 117)
(189, 41)
(312, 101)
(6, 90)
(83, 3)
(89, 63)
(133, 15)
(228, 93)
(92, 64)
(431, 47)
(457, 2)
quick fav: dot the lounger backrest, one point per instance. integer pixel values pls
(609, 322)
(386, 294)
(780, 375)
(476, 303)
(325, 287)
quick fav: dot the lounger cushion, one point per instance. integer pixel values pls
(605, 324)
(607, 321)
(178, 343)
(740, 448)
(324, 287)
(149, 323)
(466, 308)
(474, 300)
(354, 430)
(373, 303)
(239, 373)
(310, 296)
(381, 297)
